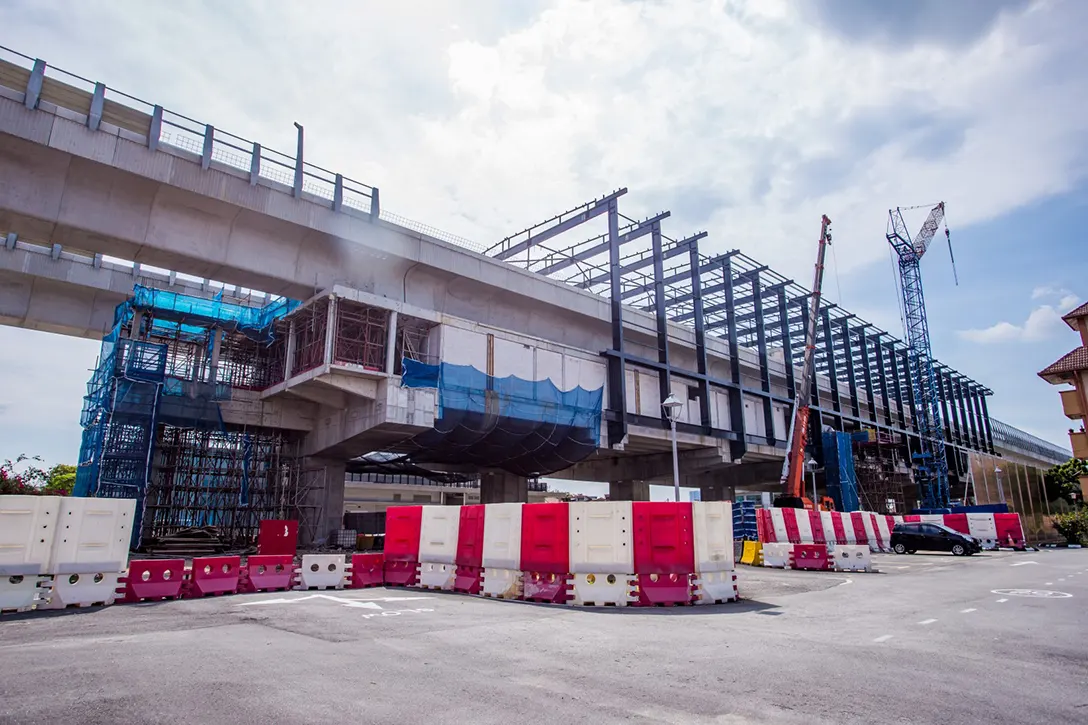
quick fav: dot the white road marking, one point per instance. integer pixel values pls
(968, 611)
(1049, 584)
(1023, 563)
(883, 638)
(1000, 601)
(927, 621)
(371, 603)
(903, 567)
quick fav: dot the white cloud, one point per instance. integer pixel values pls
(1043, 323)
(1068, 302)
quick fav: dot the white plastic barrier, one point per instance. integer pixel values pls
(777, 555)
(437, 576)
(601, 539)
(715, 586)
(323, 571)
(90, 550)
(804, 526)
(438, 535)
(502, 536)
(982, 527)
(851, 557)
(867, 521)
(27, 528)
(933, 519)
(501, 583)
(779, 523)
(827, 518)
(603, 589)
(848, 528)
(712, 522)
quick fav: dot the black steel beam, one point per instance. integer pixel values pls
(989, 431)
(787, 351)
(708, 265)
(617, 373)
(581, 214)
(897, 386)
(944, 403)
(851, 374)
(645, 260)
(630, 233)
(870, 394)
(700, 334)
(832, 366)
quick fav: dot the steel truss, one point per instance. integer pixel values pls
(734, 298)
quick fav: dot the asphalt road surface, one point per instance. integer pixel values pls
(998, 638)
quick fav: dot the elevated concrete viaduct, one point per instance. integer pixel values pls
(88, 174)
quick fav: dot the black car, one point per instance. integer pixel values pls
(909, 538)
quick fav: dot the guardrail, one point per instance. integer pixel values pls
(160, 127)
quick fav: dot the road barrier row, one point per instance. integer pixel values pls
(801, 526)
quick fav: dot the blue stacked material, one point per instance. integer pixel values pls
(744, 521)
(194, 315)
(525, 427)
(989, 508)
(842, 482)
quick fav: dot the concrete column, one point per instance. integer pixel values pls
(290, 351)
(327, 495)
(137, 320)
(503, 487)
(217, 347)
(629, 490)
(391, 344)
(714, 491)
(330, 330)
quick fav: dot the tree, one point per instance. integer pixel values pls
(1063, 481)
(60, 480)
(21, 477)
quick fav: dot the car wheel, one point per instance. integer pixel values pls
(912, 551)
(958, 550)
(900, 549)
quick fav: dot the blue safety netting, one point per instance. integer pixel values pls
(526, 427)
(194, 315)
(841, 480)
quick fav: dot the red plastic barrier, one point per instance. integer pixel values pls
(400, 573)
(912, 519)
(545, 538)
(547, 587)
(810, 556)
(957, 522)
(857, 518)
(153, 579)
(213, 575)
(278, 536)
(665, 589)
(765, 527)
(840, 530)
(664, 538)
(367, 570)
(268, 573)
(880, 543)
(470, 537)
(817, 523)
(402, 530)
(789, 518)
(468, 579)
(1009, 531)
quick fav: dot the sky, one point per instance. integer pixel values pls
(747, 119)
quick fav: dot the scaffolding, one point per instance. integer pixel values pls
(152, 428)
(883, 473)
(361, 335)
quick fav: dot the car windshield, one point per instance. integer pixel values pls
(942, 527)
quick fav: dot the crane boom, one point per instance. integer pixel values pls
(932, 472)
(793, 468)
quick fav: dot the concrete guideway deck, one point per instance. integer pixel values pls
(803, 647)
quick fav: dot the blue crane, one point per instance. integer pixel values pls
(931, 471)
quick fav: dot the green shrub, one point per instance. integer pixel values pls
(1073, 526)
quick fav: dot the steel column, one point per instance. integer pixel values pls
(617, 369)
(700, 335)
(736, 395)
(851, 373)
(897, 386)
(764, 362)
(664, 380)
(989, 430)
(944, 404)
(787, 350)
(832, 365)
(870, 395)
(912, 402)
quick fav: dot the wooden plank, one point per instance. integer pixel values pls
(66, 96)
(124, 117)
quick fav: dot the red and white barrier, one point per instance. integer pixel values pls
(501, 554)
(714, 580)
(602, 552)
(439, 527)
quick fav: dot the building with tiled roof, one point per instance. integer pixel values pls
(1072, 369)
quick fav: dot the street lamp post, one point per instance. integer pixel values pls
(672, 408)
(1000, 488)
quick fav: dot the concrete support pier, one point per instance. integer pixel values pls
(629, 490)
(325, 478)
(502, 487)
